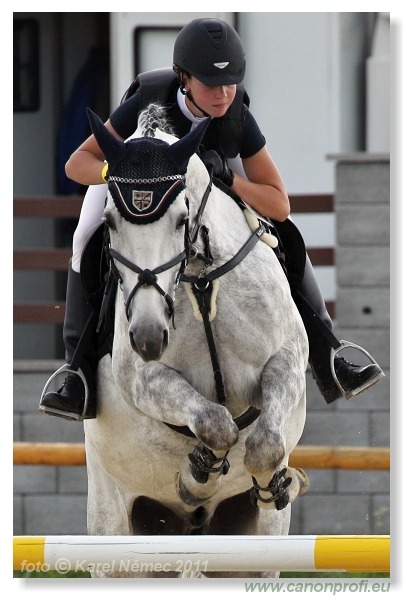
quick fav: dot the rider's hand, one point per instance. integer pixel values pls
(218, 166)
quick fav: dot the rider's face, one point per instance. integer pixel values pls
(215, 100)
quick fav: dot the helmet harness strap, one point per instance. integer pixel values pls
(186, 92)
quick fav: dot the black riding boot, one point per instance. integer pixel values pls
(75, 399)
(353, 379)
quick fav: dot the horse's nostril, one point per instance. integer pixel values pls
(165, 339)
(132, 342)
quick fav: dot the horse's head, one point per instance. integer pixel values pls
(147, 216)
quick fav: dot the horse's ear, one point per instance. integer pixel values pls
(181, 151)
(109, 144)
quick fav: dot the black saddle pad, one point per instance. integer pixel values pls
(94, 267)
(94, 272)
(293, 247)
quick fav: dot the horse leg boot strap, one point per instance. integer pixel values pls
(75, 399)
(335, 377)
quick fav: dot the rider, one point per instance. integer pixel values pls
(208, 70)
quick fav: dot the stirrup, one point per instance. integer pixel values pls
(334, 352)
(67, 369)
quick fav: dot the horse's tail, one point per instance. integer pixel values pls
(152, 118)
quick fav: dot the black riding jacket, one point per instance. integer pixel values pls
(235, 133)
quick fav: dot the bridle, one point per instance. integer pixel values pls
(148, 277)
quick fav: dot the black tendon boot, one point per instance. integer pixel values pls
(75, 399)
(334, 376)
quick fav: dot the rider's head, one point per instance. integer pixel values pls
(209, 52)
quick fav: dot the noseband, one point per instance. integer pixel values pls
(147, 277)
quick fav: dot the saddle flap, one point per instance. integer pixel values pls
(293, 247)
(94, 267)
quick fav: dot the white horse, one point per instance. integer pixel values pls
(232, 384)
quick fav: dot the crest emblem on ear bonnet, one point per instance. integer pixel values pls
(145, 174)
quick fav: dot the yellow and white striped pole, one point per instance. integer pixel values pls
(140, 554)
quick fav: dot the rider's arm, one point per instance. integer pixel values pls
(264, 189)
(86, 163)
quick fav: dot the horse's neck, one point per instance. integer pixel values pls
(224, 218)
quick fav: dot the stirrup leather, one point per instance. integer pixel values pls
(334, 352)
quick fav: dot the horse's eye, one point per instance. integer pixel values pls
(183, 219)
(109, 221)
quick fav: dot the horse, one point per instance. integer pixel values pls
(203, 397)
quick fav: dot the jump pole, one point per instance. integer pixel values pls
(140, 554)
(307, 457)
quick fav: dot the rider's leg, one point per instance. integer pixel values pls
(68, 401)
(354, 379)
(91, 215)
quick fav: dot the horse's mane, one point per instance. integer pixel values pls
(153, 118)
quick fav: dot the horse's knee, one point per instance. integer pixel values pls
(264, 451)
(214, 426)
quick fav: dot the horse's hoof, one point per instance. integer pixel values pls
(187, 496)
(304, 482)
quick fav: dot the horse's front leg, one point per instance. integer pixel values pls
(162, 393)
(200, 475)
(277, 432)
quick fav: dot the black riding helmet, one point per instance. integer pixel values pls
(211, 51)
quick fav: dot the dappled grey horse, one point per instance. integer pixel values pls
(203, 398)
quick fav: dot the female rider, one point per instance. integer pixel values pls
(208, 69)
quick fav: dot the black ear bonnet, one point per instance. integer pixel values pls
(145, 182)
(145, 174)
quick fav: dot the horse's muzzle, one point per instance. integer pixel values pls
(149, 347)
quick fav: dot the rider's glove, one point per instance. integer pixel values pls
(218, 166)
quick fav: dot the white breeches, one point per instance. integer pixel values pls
(91, 215)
